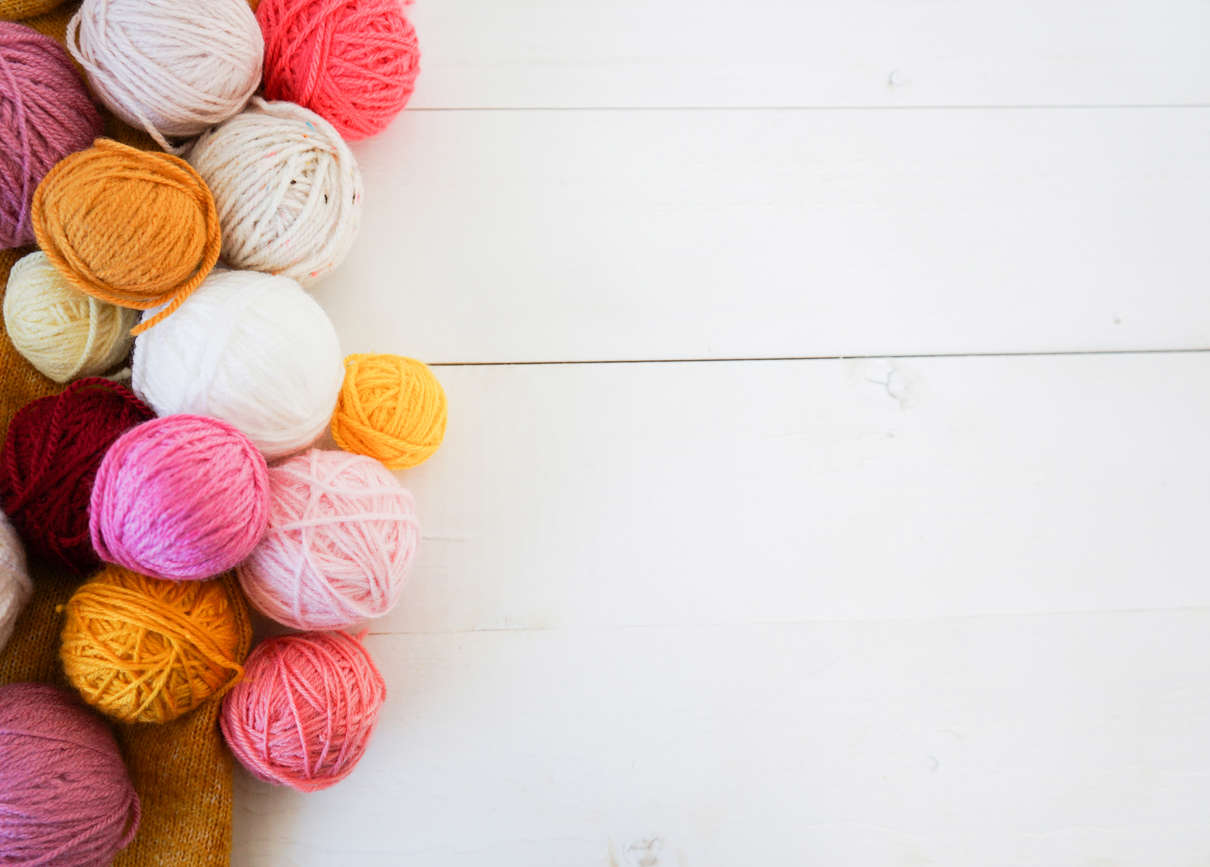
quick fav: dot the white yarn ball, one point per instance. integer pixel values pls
(171, 67)
(252, 349)
(61, 331)
(287, 188)
(15, 586)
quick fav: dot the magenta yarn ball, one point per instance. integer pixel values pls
(342, 534)
(45, 114)
(181, 497)
(65, 797)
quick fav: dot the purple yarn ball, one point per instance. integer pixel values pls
(45, 114)
(65, 796)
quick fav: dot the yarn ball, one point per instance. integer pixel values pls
(65, 797)
(305, 710)
(182, 497)
(15, 10)
(353, 61)
(50, 458)
(171, 67)
(131, 227)
(45, 114)
(252, 349)
(143, 650)
(60, 330)
(390, 408)
(342, 534)
(287, 188)
(15, 586)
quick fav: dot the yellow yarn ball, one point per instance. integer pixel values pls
(144, 650)
(61, 331)
(390, 408)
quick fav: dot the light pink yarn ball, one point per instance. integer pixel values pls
(342, 534)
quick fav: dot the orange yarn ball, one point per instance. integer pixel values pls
(144, 650)
(134, 228)
(390, 408)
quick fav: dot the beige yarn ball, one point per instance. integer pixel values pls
(15, 586)
(61, 331)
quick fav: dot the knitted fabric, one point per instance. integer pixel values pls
(180, 769)
(15, 10)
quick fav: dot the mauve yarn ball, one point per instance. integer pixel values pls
(45, 114)
(50, 458)
(66, 799)
(182, 498)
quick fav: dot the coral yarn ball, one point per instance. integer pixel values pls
(50, 458)
(182, 498)
(57, 328)
(353, 61)
(390, 408)
(252, 349)
(170, 67)
(342, 534)
(65, 797)
(287, 188)
(140, 649)
(130, 227)
(304, 712)
(15, 586)
(45, 114)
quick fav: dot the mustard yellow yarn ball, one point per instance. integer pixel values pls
(140, 649)
(61, 331)
(390, 408)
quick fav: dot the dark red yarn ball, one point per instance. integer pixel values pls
(50, 459)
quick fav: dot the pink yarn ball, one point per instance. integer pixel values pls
(304, 712)
(181, 497)
(353, 62)
(342, 533)
(45, 114)
(65, 796)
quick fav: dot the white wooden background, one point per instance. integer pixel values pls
(828, 479)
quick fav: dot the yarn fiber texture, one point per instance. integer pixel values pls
(252, 349)
(342, 534)
(140, 649)
(134, 228)
(15, 10)
(65, 797)
(171, 67)
(60, 330)
(50, 458)
(45, 114)
(353, 61)
(15, 586)
(287, 188)
(304, 712)
(390, 408)
(181, 498)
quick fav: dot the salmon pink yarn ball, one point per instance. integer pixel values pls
(305, 710)
(352, 61)
(342, 534)
(181, 497)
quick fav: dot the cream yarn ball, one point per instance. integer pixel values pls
(342, 534)
(61, 331)
(15, 586)
(171, 67)
(287, 188)
(252, 349)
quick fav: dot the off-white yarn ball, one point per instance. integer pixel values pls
(171, 67)
(287, 188)
(252, 349)
(15, 586)
(61, 331)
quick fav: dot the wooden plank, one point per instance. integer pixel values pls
(630, 235)
(1059, 740)
(779, 53)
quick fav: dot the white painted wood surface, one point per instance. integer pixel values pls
(845, 611)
